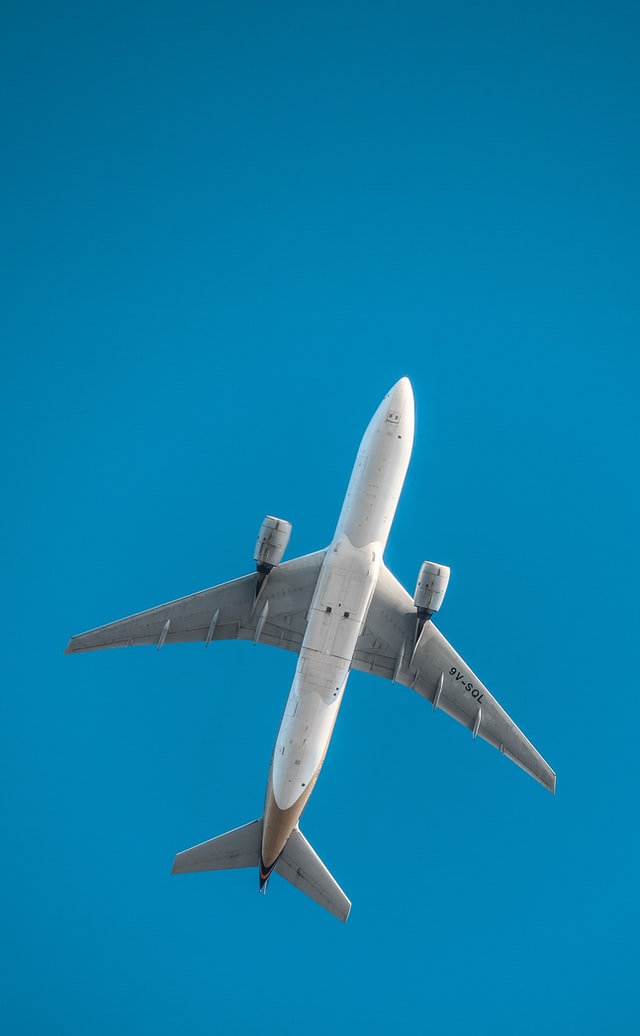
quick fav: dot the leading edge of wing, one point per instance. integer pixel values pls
(224, 612)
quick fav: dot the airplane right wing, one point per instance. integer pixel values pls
(225, 612)
(437, 672)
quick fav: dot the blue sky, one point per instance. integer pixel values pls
(227, 230)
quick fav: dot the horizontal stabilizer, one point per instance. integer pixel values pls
(300, 865)
(237, 848)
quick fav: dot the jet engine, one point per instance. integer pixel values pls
(271, 544)
(430, 589)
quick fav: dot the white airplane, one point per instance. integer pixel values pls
(338, 609)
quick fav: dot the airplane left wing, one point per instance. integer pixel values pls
(438, 673)
(226, 612)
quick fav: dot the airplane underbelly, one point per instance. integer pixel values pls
(304, 734)
(336, 617)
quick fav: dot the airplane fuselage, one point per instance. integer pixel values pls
(337, 615)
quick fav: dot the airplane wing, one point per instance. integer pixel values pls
(225, 612)
(439, 674)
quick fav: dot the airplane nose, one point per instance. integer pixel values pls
(401, 396)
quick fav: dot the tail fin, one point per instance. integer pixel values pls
(300, 865)
(237, 848)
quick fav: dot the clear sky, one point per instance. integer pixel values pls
(227, 229)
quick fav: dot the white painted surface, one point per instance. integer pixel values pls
(380, 469)
(343, 594)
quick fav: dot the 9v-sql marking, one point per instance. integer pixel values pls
(475, 692)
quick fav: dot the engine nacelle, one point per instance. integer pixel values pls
(431, 587)
(271, 543)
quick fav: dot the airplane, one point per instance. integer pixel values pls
(338, 609)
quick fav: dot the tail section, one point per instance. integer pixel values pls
(300, 865)
(237, 848)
